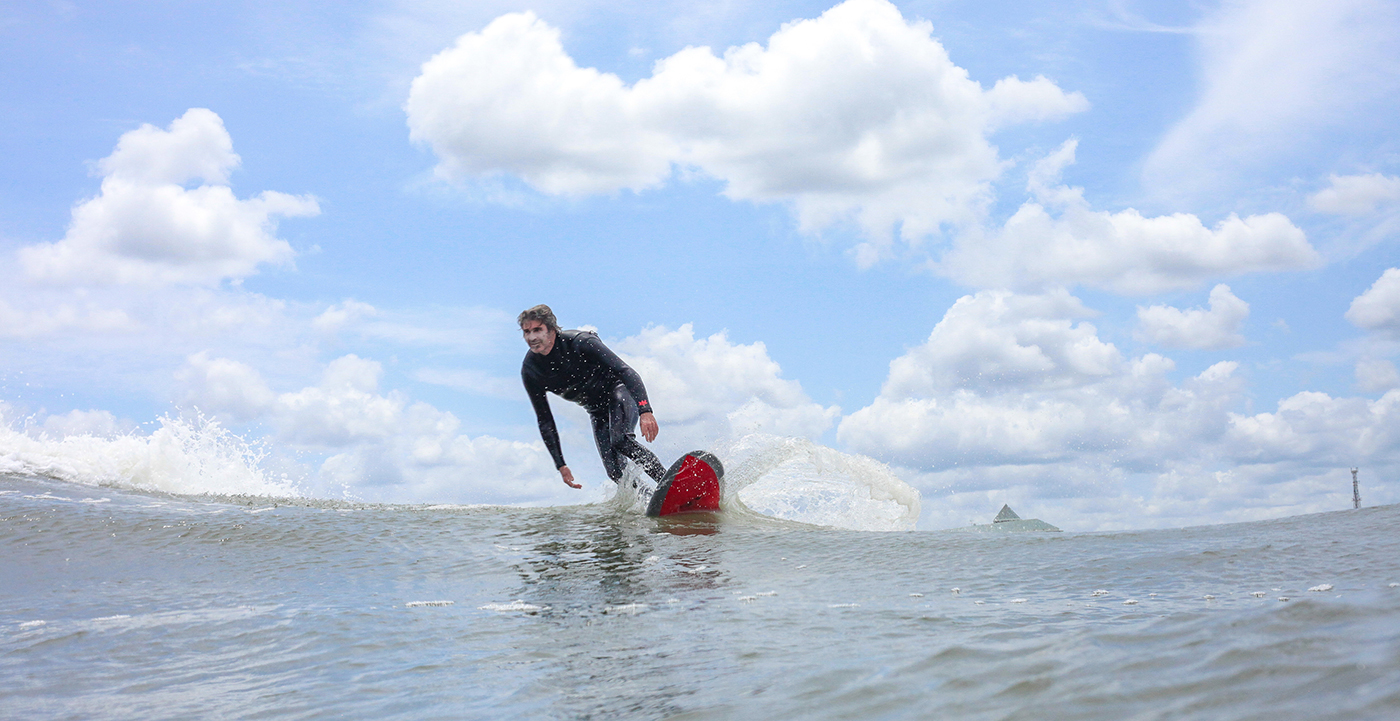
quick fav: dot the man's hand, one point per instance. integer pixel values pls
(568, 477)
(649, 429)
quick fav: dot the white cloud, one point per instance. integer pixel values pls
(224, 386)
(1276, 77)
(1198, 328)
(856, 115)
(1319, 430)
(101, 424)
(1125, 251)
(709, 389)
(1356, 194)
(427, 459)
(1378, 309)
(146, 227)
(1086, 439)
(344, 313)
(1012, 379)
(1375, 374)
(1000, 339)
(345, 406)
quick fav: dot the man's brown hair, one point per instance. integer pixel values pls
(541, 313)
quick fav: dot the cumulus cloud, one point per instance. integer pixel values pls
(147, 227)
(1058, 239)
(997, 339)
(1318, 430)
(1378, 309)
(1275, 75)
(711, 388)
(344, 407)
(857, 115)
(1014, 399)
(1013, 379)
(1197, 328)
(1356, 194)
(224, 386)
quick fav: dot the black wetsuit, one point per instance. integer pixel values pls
(581, 369)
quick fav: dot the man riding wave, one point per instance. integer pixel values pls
(576, 366)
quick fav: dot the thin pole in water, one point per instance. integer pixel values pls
(1355, 490)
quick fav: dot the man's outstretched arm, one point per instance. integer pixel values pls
(549, 433)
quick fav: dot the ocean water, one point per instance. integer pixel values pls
(131, 588)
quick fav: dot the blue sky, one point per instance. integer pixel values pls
(1118, 264)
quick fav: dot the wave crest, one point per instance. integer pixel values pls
(798, 480)
(184, 456)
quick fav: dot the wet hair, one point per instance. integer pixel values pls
(541, 313)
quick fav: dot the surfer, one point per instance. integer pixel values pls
(576, 366)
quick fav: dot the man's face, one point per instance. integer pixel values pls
(539, 337)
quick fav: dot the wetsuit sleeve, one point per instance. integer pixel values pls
(548, 431)
(605, 357)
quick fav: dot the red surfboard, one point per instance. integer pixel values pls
(691, 484)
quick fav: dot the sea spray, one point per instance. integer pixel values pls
(794, 479)
(798, 480)
(184, 455)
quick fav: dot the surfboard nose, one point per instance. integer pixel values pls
(691, 484)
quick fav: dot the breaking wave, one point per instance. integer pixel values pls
(798, 480)
(184, 456)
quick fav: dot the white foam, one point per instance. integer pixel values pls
(421, 604)
(182, 456)
(516, 605)
(630, 609)
(798, 480)
(1321, 587)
